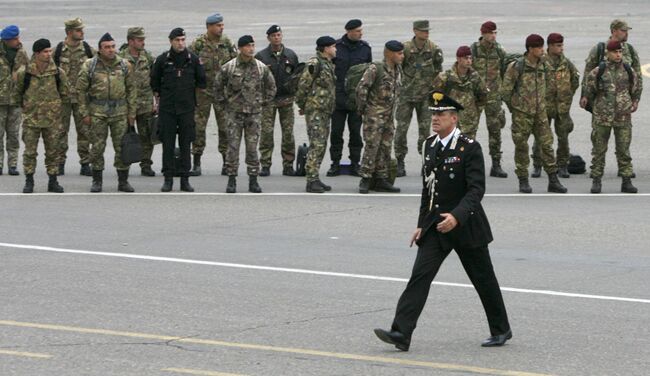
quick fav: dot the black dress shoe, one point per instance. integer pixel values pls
(498, 340)
(394, 338)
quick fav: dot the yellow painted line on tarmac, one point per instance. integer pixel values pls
(25, 354)
(198, 372)
(645, 70)
(288, 350)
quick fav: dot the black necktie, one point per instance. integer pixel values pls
(437, 149)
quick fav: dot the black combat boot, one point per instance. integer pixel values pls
(314, 187)
(13, 171)
(167, 184)
(627, 187)
(29, 183)
(84, 171)
(147, 171)
(196, 170)
(364, 185)
(554, 185)
(97, 181)
(253, 186)
(61, 169)
(185, 184)
(326, 187)
(496, 170)
(401, 168)
(563, 172)
(123, 181)
(383, 185)
(524, 186)
(288, 171)
(596, 185)
(265, 171)
(354, 168)
(335, 169)
(53, 185)
(537, 172)
(232, 184)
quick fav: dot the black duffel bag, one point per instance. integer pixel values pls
(131, 147)
(576, 165)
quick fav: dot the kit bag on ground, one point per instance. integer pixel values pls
(131, 147)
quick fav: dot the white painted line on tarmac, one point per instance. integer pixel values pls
(307, 271)
(293, 194)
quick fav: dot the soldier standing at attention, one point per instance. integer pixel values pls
(524, 91)
(141, 60)
(316, 100)
(243, 87)
(563, 81)
(70, 55)
(615, 90)
(214, 49)
(107, 98)
(282, 61)
(12, 58)
(422, 64)
(41, 87)
(489, 59)
(377, 95)
(464, 84)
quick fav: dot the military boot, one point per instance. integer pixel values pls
(147, 171)
(383, 185)
(563, 172)
(554, 185)
(253, 186)
(265, 171)
(537, 172)
(335, 169)
(13, 171)
(627, 187)
(288, 171)
(314, 187)
(596, 185)
(168, 184)
(29, 183)
(496, 170)
(401, 168)
(524, 186)
(97, 181)
(354, 168)
(223, 170)
(84, 171)
(326, 187)
(53, 185)
(196, 170)
(232, 184)
(61, 169)
(185, 184)
(123, 181)
(364, 185)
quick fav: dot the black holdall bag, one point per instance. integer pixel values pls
(301, 159)
(131, 147)
(576, 165)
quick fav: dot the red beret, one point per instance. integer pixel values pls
(534, 40)
(488, 27)
(614, 45)
(554, 38)
(463, 51)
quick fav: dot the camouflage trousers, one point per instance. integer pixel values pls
(249, 125)
(50, 135)
(10, 119)
(204, 103)
(83, 143)
(266, 140)
(98, 132)
(599, 140)
(523, 125)
(563, 125)
(318, 130)
(378, 133)
(403, 115)
(144, 130)
(468, 123)
(495, 118)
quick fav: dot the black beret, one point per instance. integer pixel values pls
(353, 24)
(40, 45)
(395, 46)
(177, 32)
(244, 40)
(325, 41)
(439, 102)
(105, 38)
(273, 29)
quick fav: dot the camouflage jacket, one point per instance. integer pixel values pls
(526, 92)
(420, 67)
(42, 100)
(630, 57)
(563, 80)
(71, 61)
(377, 92)
(244, 86)
(317, 86)
(141, 73)
(488, 62)
(469, 90)
(8, 94)
(109, 92)
(612, 95)
(213, 55)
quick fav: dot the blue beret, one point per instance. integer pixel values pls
(395, 46)
(353, 24)
(325, 41)
(10, 32)
(214, 18)
(244, 40)
(105, 38)
(273, 29)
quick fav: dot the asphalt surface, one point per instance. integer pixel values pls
(286, 283)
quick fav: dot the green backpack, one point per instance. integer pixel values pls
(352, 79)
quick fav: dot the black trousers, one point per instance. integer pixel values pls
(336, 136)
(170, 125)
(478, 266)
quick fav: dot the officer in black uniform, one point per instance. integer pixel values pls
(451, 217)
(175, 76)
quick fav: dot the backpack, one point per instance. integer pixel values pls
(519, 65)
(59, 49)
(352, 79)
(505, 59)
(576, 165)
(599, 78)
(301, 159)
(291, 84)
(28, 79)
(314, 70)
(93, 66)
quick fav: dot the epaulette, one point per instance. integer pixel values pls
(466, 139)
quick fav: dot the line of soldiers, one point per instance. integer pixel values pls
(105, 90)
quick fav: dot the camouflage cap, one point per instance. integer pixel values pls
(135, 32)
(422, 25)
(619, 25)
(73, 24)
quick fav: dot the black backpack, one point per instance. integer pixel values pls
(291, 84)
(28, 79)
(301, 160)
(576, 165)
(59, 49)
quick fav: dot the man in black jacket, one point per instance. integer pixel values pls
(451, 217)
(175, 77)
(350, 50)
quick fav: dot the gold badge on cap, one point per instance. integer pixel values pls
(437, 97)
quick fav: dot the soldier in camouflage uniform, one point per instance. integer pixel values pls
(316, 98)
(107, 96)
(615, 90)
(214, 49)
(562, 82)
(376, 98)
(464, 84)
(524, 91)
(141, 60)
(12, 58)
(489, 59)
(41, 102)
(70, 55)
(619, 31)
(422, 63)
(243, 87)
